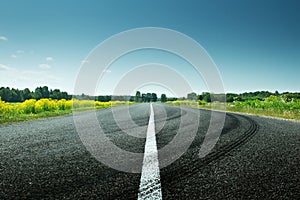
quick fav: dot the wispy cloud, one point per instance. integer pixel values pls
(3, 38)
(12, 77)
(40, 76)
(6, 68)
(13, 56)
(50, 59)
(106, 71)
(20, 51)
(44, 66)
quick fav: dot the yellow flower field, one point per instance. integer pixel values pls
(32, 108)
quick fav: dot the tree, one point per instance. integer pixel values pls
(5, 94)
(148, 97)
(45, 92)
(172, 99)
(144, 97)
(154, 97)
(16, 95)
(27, 94)
(192, 96)
(137, 96)
(38, 93)
(55, 94)
(206, 97)
(64, 95)
(163, 98)
(230, 97)
(103, 98)
(200, 97)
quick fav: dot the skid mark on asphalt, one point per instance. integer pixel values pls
(150, 186)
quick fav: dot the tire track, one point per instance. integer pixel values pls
(181, 172)
(253, 128)
(188, 169)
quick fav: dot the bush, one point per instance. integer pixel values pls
(28, 106)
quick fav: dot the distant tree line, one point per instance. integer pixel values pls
(16, 95)
(231, 97)
(149, 97)
(145, 97)
(105, 98)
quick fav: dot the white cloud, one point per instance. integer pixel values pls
(13, 56)
(40, 76)
(18, 78)
(5, 68)
(20, 51)
(44, 66)
(50, 59)
(3, 38)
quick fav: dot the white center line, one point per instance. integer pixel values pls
(150, 187)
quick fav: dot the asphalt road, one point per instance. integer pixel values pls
(255, 158)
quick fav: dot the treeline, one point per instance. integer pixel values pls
(145, 97)
(231, 97)
(16, 95)
(105, 98)
(139, 97)
(149, 97)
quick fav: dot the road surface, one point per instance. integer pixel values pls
(255, 158)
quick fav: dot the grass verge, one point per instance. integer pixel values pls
(275, 108)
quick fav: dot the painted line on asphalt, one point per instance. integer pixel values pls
(150, 186)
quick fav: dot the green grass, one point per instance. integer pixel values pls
(5, 119)
(272, 106)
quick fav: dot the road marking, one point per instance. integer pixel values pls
(150, 187)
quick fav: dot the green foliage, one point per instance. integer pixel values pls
(183, 103)
(149, 97)
(230, 97)
(206, 97)
(202, 102)
(273, 105)
(192, 96)
(106, 98)
(138, 97)
(15, 95)
(163, 98)
(172, 99)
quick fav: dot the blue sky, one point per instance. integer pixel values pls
(255, 44)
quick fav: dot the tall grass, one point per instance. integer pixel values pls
(272, 106)
(30, 109)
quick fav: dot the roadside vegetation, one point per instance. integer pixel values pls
(22, 105)
(35, 109)
(285, 105)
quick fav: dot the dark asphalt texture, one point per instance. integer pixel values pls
(255, 158)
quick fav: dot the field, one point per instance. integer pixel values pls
(272, 106)
(34, 109)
